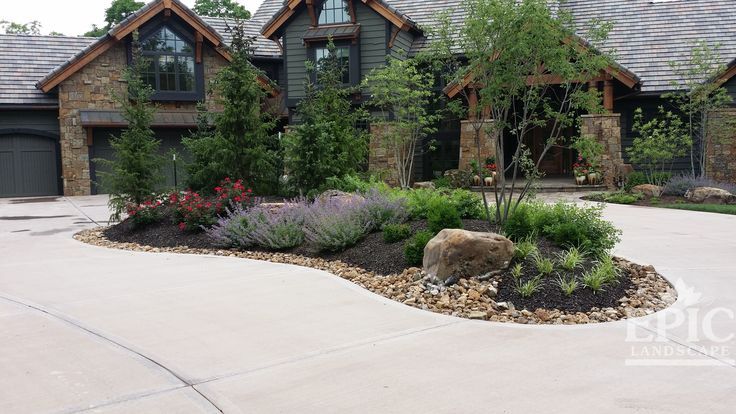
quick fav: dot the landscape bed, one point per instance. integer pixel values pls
(521, 294)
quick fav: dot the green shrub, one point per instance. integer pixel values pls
(419, 201)
(396, 232)
(353, 183)
(639, 178)
(414, 248)
(622, 198)
(566, 225)
(524, 223)
(442, 216)
(442, 182)
(469, 205)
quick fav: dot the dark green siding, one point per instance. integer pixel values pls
(402, 45)
(373, 47)
(46, 121)
(296, 54)
(373, 38)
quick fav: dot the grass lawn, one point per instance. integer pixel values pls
(708, 208)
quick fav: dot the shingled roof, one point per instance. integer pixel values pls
(26, 59)
(263, 47)
(648, 35)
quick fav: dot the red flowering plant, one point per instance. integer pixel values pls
(149, 212)
(193, 211)
(581, 167)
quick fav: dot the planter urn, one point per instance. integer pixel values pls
(579, 179)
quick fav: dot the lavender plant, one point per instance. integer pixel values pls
(277, 229)
(333, 225)
(679, 185)
(379, 210)
(232, 230)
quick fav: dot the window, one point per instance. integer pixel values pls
(334, 11)
(343, 56)
(170, 62)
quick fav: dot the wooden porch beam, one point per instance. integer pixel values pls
(608, 95)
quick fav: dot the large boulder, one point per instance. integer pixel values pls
(647, 190)
(455, 253)
(710, 195)
(340, 197)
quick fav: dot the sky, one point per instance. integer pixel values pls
(71, 17)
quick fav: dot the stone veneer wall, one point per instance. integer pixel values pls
(607, 130)
(92, 88)
(469, 145)
(381, 160)
(720, 163)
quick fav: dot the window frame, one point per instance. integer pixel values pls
(353, 60)
(173, 96)
(346, 9)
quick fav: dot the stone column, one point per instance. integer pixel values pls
(606, 128)
(469, 144)
(381, 159)
(720, 156)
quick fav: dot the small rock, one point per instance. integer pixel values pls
(477, 315)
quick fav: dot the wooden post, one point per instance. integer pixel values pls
(198, 49)
(608, 95)
(473, 104)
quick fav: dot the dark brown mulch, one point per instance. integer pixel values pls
(162, 234)
(375, 255)
(550, 296)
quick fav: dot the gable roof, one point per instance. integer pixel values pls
(123, 29)
(383, 7)
(25, 59)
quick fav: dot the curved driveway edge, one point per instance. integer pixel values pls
(261, 337)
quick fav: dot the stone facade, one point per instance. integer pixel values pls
(720, 163)
(381, 160)
(93, 87)
(469, 144)
(606, 128)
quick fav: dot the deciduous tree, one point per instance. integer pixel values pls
(221, 8)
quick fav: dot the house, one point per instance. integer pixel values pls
(57, 112)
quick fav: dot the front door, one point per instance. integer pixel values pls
(552, 161)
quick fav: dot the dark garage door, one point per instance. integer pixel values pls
(170, 141)
(29, 165)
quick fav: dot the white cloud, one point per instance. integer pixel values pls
(71, 17)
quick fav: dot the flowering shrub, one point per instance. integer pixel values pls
(379, 210)
(581, 167)
(277, 228)
(333, 225)
(232, 229)
(231, 193)
(151, 211)
(193, 211)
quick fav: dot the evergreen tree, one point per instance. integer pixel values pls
(327, 142)
(134, 173)
(241, 145)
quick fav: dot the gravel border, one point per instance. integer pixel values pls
(469, 298)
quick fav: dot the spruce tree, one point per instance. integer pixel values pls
(134, 172)
(241, 145)
(327, 141)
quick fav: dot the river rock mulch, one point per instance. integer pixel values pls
(476, 298)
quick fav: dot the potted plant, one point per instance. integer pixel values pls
(475, 168)
(593, 176)
(489, 171)
(581, 169)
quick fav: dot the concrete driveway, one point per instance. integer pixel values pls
(87, 329)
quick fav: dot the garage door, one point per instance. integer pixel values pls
(170, 140)
(28, 165)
